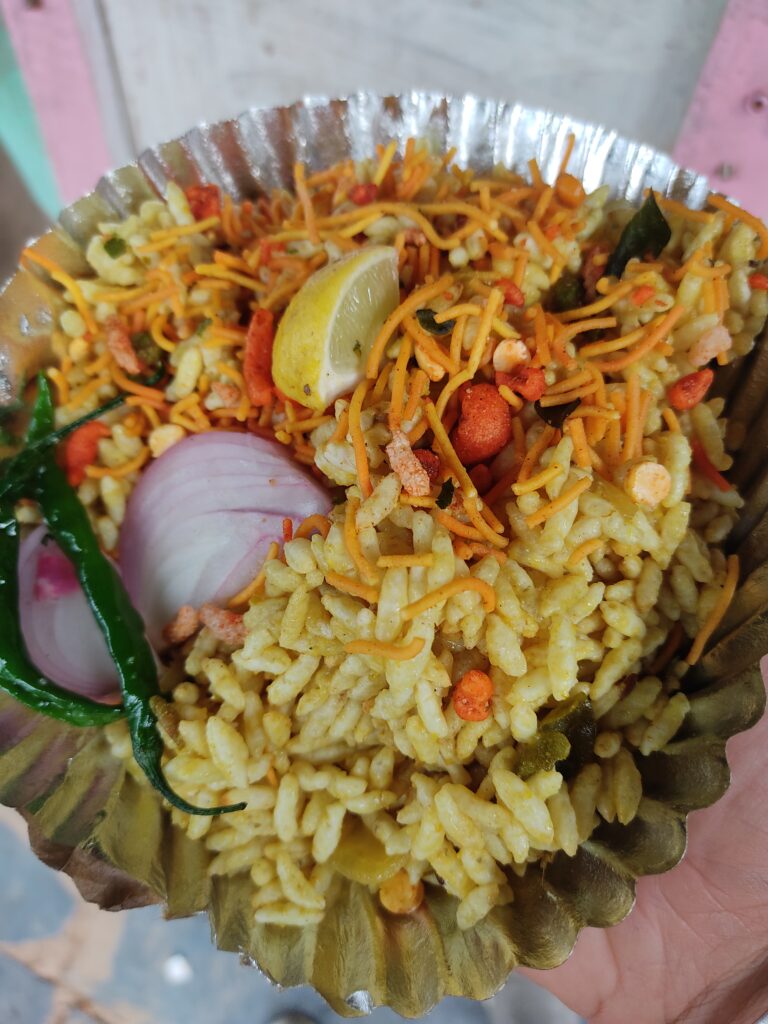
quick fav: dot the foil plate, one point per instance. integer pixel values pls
(89, 818)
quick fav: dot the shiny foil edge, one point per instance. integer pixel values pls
(89, 818)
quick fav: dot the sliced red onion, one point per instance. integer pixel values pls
(55, 576)
(201, 518)
(60, 632)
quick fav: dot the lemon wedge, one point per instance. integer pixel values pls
(327, 331)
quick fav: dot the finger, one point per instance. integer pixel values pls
(587, 979)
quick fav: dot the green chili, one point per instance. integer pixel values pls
(118, 620)
(18, 676)
(120, 623)
(17, 471)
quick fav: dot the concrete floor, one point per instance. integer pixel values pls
(64, 961)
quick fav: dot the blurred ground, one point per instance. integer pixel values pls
(63, 961)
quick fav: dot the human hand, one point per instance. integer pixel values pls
(695, 948)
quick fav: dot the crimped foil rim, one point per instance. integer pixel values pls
(80, 804)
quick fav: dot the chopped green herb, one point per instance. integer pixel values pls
(203, 326)
(566, 293)
(115, 246)
(647, 233)
(575, 719)
(148, 351)
(151, 380)
(542, 754)
(556, 415)
(426, 318)
(445, 497)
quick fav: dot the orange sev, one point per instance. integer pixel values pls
(302, 192)
(594, 412)
(622, 289)
(519, 272)
(381, 383)
(428, 345)
(539, 480)
(244, 596)
(543, 242)
(378, 648)
(352, 540)
(98, 472)
(671, 420)
(598, 348)
(511, 398)
(486, 591)
(485, 531)
(541, 335)
(575, 428)
(398, 383)
(414, 301)
(358, 441)
(558, 504)
(583, 551)
(720, 203)
(535, 452)
(673, 206)
(547, 401)
(657, 334)
(317, 522)
(225, 274)
(60, 276)
(347, 585)
(457, 340)
(453, 384)
(449, 454)
(717, 614)
(454, 525)
(397, 561)
(416, 385)
(493, 304)
(61, 382)
(633, 418)
(569, 383)
(416, 501)
(76, 398)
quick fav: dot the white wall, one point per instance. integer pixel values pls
(630, 65)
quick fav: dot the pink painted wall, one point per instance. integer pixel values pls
(55, 67)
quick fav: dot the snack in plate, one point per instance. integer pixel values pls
(418, 482)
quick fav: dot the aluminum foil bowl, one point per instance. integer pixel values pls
(89, 818)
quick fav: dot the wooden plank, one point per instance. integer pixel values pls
(97, 43)
(632, 66)
(55, 68)
(725, 134)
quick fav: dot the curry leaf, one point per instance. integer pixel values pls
(647, 232)
(556, 415)
(147, 349)
(566, 293)
(426, 318)
(445, 497)
(114, 246)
